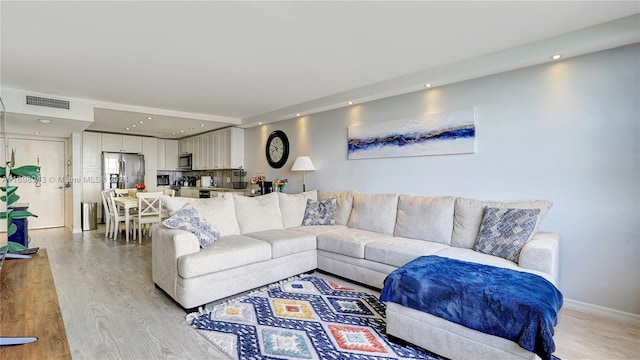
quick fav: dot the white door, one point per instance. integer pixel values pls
(46, 199)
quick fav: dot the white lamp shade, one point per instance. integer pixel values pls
(303, 163)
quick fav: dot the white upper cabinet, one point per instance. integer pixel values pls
(171, 154)
(236, 148)
(186, 145)
(150, 151)
(91, 150)
(121, 143)
(221, 149)
(167, 154)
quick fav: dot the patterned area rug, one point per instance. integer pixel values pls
(306, 318)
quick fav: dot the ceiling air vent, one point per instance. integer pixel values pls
(52, 103)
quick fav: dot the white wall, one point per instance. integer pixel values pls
(567, 131)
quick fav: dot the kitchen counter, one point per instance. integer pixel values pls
(212, 188)
(194, 191)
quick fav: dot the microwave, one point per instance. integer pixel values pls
(184, 162)
(163, 180)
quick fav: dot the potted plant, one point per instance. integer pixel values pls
(281, 183)
(10, 197)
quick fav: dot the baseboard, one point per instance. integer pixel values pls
(612, 314)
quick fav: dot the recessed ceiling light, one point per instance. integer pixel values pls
(556, 56)
(133, 125)
(141, 122)
(298, 114)
(173, 133)
(44, 121)
(37, 133)
(126, 128)
(428, 85)
(350, 103)
(260, 123)
(148, 118)
(181, 131)
(201, 124)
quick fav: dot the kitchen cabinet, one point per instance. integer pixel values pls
(190, 193)
(185, 146)
(167, 154)
(171, 154)
(220, 149)
(199, 153)
(229, 148)
(91, 150)
(122, 143)
(150, 151)
(92, 168)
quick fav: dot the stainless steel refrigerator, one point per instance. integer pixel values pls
(122, 170)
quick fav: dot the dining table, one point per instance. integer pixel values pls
(126, 203)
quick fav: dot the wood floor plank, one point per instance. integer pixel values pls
(112, 310)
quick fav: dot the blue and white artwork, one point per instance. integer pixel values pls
(451, 132)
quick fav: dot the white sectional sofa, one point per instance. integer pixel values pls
(262, 241)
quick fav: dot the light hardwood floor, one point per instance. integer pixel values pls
(112, 310)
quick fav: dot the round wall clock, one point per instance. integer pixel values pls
(277, 149)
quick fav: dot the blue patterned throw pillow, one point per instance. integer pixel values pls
(504, 232)
(188, 218)
(320, 212)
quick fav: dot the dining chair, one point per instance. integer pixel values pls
(122, 192)
(117, 215)
(149, 212)
(169, 192)
(108, 214)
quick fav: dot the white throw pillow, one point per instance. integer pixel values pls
(258, 213)
(292, 207)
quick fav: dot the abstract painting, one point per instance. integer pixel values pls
(451, 132)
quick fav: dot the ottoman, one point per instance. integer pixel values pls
(464, 310)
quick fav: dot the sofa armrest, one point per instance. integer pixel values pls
(167, 246)
(542, 253)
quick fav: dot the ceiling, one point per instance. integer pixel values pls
(197, 66)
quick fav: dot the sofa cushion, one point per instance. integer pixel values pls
(319, 229)
(228, 252)
(258, 213)
(350, 242)
(425, 218)
(399, 251)
(219, 211)
(344, 204)
(188, 219)
(468, 217)
(174, 204)
(292, 207)
(286, 242)
(374, 212)
(504, 232)
(322, 212)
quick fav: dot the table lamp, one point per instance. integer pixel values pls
(304, 164)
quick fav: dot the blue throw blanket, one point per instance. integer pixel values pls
(514, 305)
